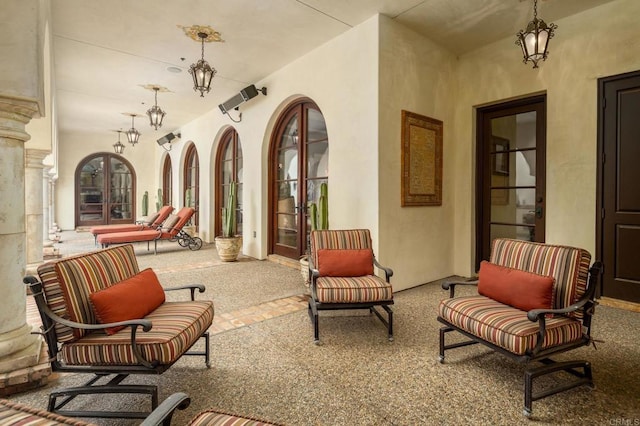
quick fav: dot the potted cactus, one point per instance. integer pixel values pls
(229, 244)
(189, 228)
(159, 200)
(319, 217)
(145, 204)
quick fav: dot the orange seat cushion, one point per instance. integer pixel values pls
(129, 237)
(513, 287)
(345, 262)
(133, 298)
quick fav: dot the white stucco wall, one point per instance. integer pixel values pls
(341, 77)
(599, 42)
(415, 75)
(74, 147)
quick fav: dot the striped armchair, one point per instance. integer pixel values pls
(341, 267)
(16, 414)
(534, 300)
(79, 342)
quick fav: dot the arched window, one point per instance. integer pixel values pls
(229, 169)
(105, 190)
(298, 164)
(167, 183)
(192, 182)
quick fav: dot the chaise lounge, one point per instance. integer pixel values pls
(171, 230)
(152, 222)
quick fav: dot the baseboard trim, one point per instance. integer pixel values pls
(621, 304)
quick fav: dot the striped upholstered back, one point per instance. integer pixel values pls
(68, 282)
(568, 265)
(339, 239)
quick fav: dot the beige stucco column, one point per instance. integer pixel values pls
(18, 348)
(34, 212)
(45, 205)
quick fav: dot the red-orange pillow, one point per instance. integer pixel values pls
(345, 263)
(133, 298)
(520, 289)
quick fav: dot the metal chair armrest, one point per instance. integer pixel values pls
(388, 272)
(451, 285)
(192, 287)
(163, 412)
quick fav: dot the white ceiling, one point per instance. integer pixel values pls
(104, 51)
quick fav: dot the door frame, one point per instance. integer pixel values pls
(483, 168)
(301, 213)
(107, 189)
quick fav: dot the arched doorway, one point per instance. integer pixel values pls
(228, 169)
(167, 183)
(105, 190)
(192, 183)
(298, 164)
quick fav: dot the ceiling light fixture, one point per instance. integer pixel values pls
(155, 113)
(118, 147)
(534, 40)
(132, 134)
(201, 71)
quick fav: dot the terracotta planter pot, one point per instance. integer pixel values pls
(228, 248)
(304, 269)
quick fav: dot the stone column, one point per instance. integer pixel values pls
(34, 214)
(45, 206)
(18, 347)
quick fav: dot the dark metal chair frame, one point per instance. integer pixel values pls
(315, 305)
(119, 372)
(586, 305)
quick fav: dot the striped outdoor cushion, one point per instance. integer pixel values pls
(568, 265)
(505, 326)
(81, 275)
(368, 288)
(15, 414)
(176, 326)
(220, 418)
(55, 299)
(339, 239)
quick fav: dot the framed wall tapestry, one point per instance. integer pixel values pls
(421, 160)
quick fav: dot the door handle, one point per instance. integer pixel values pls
(539, 212)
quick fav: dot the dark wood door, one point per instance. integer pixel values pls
(510, 198)
(619, 186)
(105, 190)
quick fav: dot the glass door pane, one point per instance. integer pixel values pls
(121, 206)
(286, 209)
(513, 176)
(91, 192)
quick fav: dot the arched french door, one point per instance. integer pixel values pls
(167, 183)
(298, 164)
(228, 169)
(192, 183)
(105, 190)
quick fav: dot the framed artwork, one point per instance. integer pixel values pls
(500, 157)
(421, 160)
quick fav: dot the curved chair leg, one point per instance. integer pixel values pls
(313, 315)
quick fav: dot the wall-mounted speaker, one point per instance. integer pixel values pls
(168, 138)
(245, 94)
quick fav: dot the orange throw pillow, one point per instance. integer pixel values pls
(520, 289)
(133, 298)
(345, 262)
